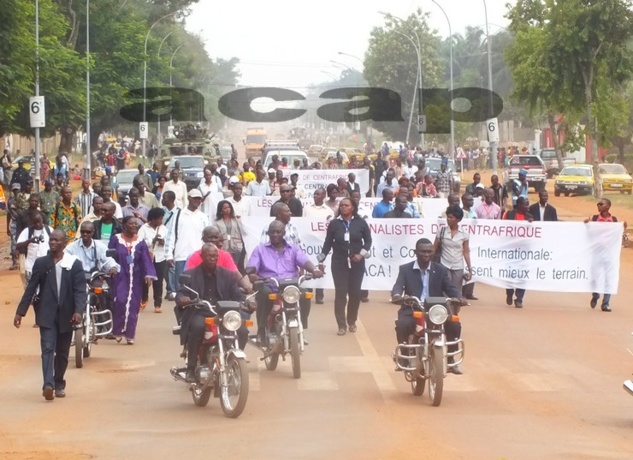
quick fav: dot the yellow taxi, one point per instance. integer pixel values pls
(615, 178)
(576, 179)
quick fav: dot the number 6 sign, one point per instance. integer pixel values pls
(142, 129)
(37, 112)
(493, 130)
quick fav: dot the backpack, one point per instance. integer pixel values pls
(595, 218)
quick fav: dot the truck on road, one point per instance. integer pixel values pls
(254, 142)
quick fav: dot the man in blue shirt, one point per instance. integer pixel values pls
(384, 206)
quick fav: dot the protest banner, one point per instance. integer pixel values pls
(312, 179)
(538, 256)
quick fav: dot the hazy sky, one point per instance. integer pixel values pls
(289, 44)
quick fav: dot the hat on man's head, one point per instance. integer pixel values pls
(195, 193)
(480, 185)
(16, 186)
(234, 180)
(523, 172)
(272, 171)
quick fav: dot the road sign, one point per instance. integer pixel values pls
(37, 112)
(492, 125)
(422, 124)
(142, 129)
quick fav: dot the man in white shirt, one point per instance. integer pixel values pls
(241, 205)
(168, 200)
(299, 192)
(488, 209)
(409, 170)
(92, 253)
(258, 187)
(106, 193)
(178, 187)
(319, 209)
(32, 242)
(185, 238)
(211, 190)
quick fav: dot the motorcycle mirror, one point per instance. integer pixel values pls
(250, 270)
(111, 253)
(184, 279)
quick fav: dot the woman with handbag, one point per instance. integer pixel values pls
(231, 230)
(451, 247)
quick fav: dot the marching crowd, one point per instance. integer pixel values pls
(152, 244)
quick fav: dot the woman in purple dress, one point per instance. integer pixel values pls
(136, 269)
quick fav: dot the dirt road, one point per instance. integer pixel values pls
(543, 382)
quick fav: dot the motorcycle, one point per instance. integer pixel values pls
(628, 384)
(284, 330)
(96, 321)
(426, 356)
(221, 366)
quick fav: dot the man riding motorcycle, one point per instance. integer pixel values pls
(278, 259)
(92, 253)
(213, 283)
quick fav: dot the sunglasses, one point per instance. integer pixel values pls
(85, 232)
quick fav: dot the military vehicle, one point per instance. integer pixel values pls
(188, 139)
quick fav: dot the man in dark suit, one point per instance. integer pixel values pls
(62, 299)
(423, 278)
(542, 210)
(352, 186)
(212, 283)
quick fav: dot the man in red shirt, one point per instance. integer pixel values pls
(520, 213)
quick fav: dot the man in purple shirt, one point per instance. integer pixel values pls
(281, 260)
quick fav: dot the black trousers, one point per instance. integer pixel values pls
(518, 292)
(405, 326)
(265, 306)
(157, 284)
(55, 350)
(347, 283)
(319, 293)
(468, 290)
(195, 335)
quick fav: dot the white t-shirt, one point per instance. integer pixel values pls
(180, 190)
(147, 234)
(241, 208)
(34, 250)
(190, 227)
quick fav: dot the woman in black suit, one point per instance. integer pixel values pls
(349, 238)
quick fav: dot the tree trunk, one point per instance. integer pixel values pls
(593, 133)
(66, 141)
(621, 152)
(559, 154)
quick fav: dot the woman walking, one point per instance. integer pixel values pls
(231, 230)
(452, 249)
(349, 238)
(154, 234)
(136, 269)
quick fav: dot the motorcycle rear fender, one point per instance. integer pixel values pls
(237, 353)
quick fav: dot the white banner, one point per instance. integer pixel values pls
(538, 256)
(431, 207)
(312, 179)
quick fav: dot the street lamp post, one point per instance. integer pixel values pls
(163, 42)
(493, 145)
(88, 160)
(37, 93)
(144, 141)
(450, 37)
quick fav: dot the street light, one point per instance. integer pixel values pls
(145, 72)
(493, 145)
(450, 37)
(88, 160)
(419, 79)
(163, 41)
(352, 56)
(37, 93)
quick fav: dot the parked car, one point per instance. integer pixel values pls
(533, 164)
(124, 182)
(434, 164)
(615, 177)
(291, 155)
(191, 169)
(551, 162)
(577, 179)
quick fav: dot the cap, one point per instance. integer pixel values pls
(195, 193)
(272, 171)
(480, 185)
(16, 186)
(523, 172)
(234, 180)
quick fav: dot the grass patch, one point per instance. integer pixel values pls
(617, 200)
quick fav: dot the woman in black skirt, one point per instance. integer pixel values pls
(349, 237)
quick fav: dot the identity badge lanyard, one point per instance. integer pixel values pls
(346, 224)
(129, 258)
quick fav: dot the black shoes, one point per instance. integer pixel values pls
(472, 297)
(518, 304)
(509, 299)
(319, 301)
(593, 302)
(606, 308)
(48, 393)
(190, 376)
(364, 299)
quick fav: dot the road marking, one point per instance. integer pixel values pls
(319, 381)
(374, 362)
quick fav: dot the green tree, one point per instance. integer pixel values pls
(391, 62)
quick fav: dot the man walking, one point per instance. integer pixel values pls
(58, 306)
(543, 211)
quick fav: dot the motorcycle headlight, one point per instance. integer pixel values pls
(291, 294)
(438, 314)
(232, 320)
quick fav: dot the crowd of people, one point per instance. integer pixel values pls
(164, 229)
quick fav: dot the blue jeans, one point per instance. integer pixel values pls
(179, 269)
(55, 351)
(171, 280)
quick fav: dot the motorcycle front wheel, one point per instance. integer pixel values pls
(295, 352)
(200, 397)
(234, 394)
(417, 386)
(436, 376)
(79, 348)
